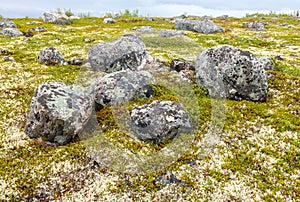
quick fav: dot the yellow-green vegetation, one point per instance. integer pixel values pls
(256, 158)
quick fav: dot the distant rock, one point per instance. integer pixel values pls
(229, 72)
(13, 32)
(223, 17)
(170, 33)
(127, 52)
(203, 26)
(56, 18)
(51, 56)
(255, 26)
(30, 32)
(6, 23)
(159, 121)
(121, 86)
(284, 24)
(63, 21)
(50, 17)
(58, 113)
(146, 29)
(109, 21)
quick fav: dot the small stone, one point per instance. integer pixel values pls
(51, 56)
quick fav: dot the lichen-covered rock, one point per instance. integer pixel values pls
(6, 23)
(254, 26)
(38, 29)
(51, 56)
(203, 26)
(50, 17)
(121, 86)
(58, 112)
(159, 121)
(232, 73)
(170, 33)
(127, 52)
(13, 32)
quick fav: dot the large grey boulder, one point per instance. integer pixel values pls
(51, 56)
(203, 26)
(127, 52)
(13, 32)
(232, 73)
(50, 17)
(58, 113)
(121, 86)
(159, 121)
(6, 23)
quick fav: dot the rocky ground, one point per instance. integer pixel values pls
(255, 155)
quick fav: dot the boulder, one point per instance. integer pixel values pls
(204, 26)
(58, 113)
(6, 23)
(255, 26)
(50, 17)
(159, 121)
(13, 32)
(127, 52)
(109, 21)
(232, 73)
(51, 56)
(170, 33)
(121, 86)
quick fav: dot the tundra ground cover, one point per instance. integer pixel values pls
(256, 158)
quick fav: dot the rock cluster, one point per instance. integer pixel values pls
(59, 112)
(205, 26)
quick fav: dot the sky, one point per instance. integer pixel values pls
(153, 8)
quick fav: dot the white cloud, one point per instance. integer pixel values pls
(165, 8)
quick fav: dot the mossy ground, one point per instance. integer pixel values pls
(256, 158)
